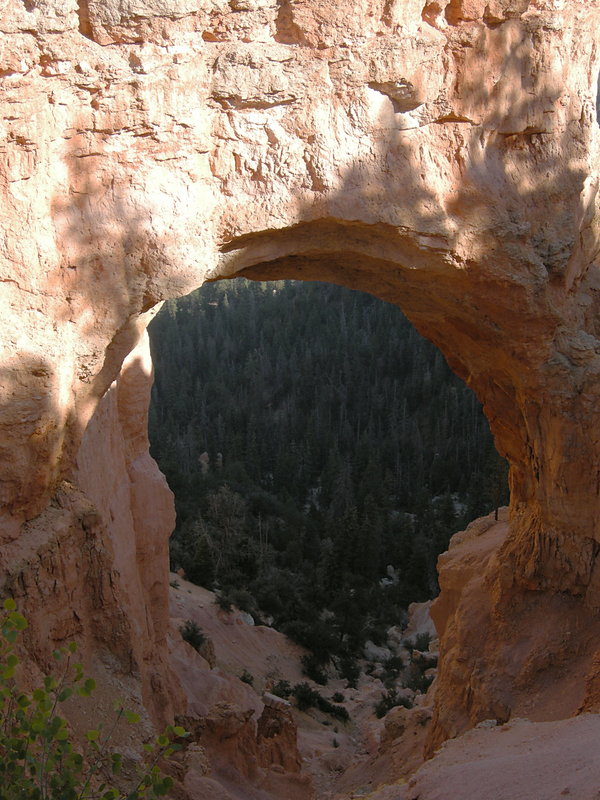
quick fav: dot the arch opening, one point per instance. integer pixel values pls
(313, 403)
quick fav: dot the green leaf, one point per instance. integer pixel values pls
(92, 736)
(65, 694)
(9, 604)
(161, 787)
(132, 717)
(17, 620)
(117, 763)
(72, 647)
(179, 731)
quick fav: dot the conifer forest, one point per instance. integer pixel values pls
(321, 453)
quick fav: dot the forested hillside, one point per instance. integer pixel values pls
(316, 444)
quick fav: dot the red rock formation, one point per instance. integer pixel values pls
(506, 653)
(277, 735)
(438, 154)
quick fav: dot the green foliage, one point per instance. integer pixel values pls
(350, 670)
(390, 700)
(339, 712)
(332, 454)
(243, 600)
(192, 634)
(247, 677)
(38, 759)
(312, 669)
(391, 671)
(415, 678)
(422, 641)
(201, 567)
(282, 689)
(316, 636)
(306, 698)
(223, 601)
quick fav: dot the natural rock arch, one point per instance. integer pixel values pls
(440, 155)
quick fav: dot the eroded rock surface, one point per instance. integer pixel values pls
(438, 154)
(506, 656)
(520, 760)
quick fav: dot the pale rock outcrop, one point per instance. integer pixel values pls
(373, 652)
(420, 622)
(441, 155)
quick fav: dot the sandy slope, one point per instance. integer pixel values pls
(328, 747)
(520, 760)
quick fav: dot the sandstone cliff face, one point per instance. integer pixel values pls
(438, 154)
(506, 655)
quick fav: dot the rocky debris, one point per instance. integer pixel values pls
(373, 652)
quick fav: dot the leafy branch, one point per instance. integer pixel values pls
(38, 758)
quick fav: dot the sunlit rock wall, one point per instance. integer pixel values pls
(438, 154)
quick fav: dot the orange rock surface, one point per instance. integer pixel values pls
(441, 155)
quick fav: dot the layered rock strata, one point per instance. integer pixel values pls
(438, 154)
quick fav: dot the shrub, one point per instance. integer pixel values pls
(392, 668)
(243, 600)
(246, 677)
(422, 641)
(338, 712)
(338, 697)
(282, 689)
(305, 696)
(224, 602)
(394, 664)
(390, 700)
(350, 670)
(316, 636)
(191, 633)
(312, 669)
(415, 679)
(309, 698)
(39, 760)
(201, 567)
